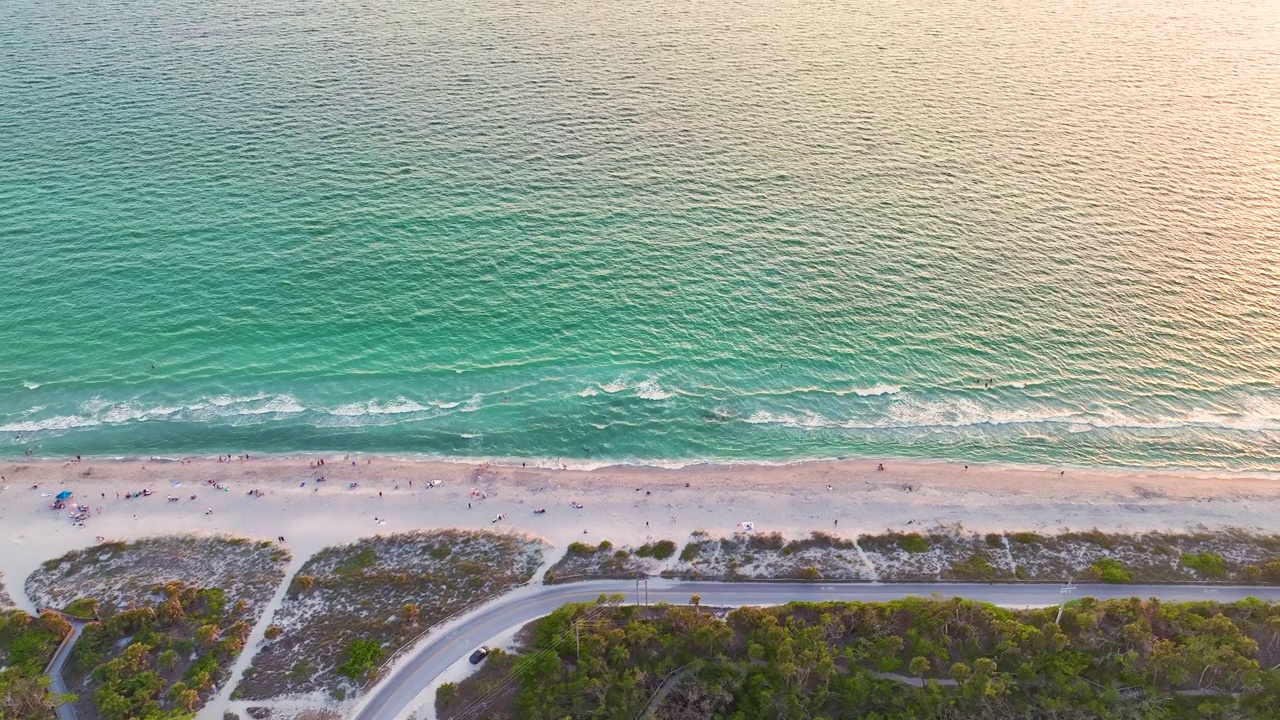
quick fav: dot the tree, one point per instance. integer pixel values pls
(919, 666)
(207, 634)
(960, 672)
(411, 614)
(695, 600)
(135, 658)
(446, 695)
(24, 695)
(187, 699)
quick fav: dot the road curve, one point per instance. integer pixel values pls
(394, 694)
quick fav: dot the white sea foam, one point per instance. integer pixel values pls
(1242, 413)
(30, 385)
(225, 400)
(62, 422)
(399, 406)
(283, 404)
(588, 392)
(871, 391)
(651, 390)
(964, 413)
(615, 387)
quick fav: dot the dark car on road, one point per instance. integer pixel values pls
(481, 653)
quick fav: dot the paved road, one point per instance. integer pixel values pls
(409, 677)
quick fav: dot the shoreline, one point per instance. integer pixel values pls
(581, 465)
(627, 505)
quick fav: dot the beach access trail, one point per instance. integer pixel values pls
(411, 681)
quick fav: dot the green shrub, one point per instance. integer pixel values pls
(913, 543)
(1210, 565)
(1108, 570)
(215, 601)
(772, 541)
(361, 560)
(994, 540)
(1026, 538)
(441, 552)
(581, 548)
(83, 607)
(1094, 536)
(362, 659)
(301, 670)
(446, 695)
(1251, 573)
(817, 538)
(976, 567)
(664, 549)
(621, 555)
(167, 660)
(605, 546)
(689, 552)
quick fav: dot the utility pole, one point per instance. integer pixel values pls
(637, 591)
(1065, 591)
(577, 639)
(646, 592)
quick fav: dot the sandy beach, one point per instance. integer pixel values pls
(362, 496)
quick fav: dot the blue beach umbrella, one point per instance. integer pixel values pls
(64, 494)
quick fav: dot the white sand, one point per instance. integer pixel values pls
(792, 499)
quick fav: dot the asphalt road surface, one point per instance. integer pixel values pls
(410, 676)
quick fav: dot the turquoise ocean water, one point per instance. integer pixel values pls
(1026, 232)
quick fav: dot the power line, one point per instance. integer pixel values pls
(528, 662)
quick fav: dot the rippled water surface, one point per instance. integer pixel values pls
(1025, 232)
